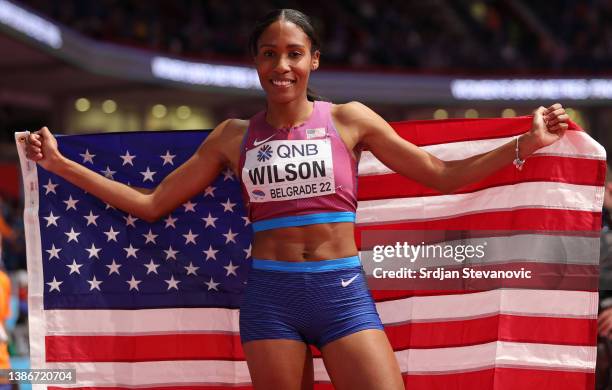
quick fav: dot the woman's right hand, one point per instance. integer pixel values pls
(41, 147)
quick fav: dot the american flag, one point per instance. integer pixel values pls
(130, 304)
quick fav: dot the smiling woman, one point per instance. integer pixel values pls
(297, 161)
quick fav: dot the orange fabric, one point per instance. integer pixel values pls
(5, 311)
(5, 229)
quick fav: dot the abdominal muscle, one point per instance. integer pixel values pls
(306, 243)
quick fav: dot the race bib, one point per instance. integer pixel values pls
(289, 169)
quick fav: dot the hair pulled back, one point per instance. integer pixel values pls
(290, 15)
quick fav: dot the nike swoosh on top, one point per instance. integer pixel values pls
(257, 143)
(346, 283)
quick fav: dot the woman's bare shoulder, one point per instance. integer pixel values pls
(348, 112)
(233, 127)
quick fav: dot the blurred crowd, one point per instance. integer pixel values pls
(13, 283)
(459, 36)
(12, 248)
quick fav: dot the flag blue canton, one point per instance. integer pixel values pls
(95, 256)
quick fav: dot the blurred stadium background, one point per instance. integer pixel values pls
(126, 65)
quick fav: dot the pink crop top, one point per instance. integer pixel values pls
(298, 176)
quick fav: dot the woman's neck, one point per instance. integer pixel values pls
(289, 114)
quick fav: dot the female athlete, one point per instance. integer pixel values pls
(298, 165)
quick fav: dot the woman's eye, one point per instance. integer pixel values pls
(268, 53)
(295, 54)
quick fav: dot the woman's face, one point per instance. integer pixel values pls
(284, 61)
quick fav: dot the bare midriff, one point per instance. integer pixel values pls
(323, 241)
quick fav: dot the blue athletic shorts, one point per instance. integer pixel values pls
(315, 302)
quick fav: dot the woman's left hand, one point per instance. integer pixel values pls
(549, 125)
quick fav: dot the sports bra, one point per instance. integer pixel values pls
(297, 176)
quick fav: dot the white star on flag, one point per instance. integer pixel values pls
(212, 285)
(189, 206)
(71, 203)
(127, 158)
(113, 268)
(210, 221)
(170, 221)
(230, 237)
(133, 283)
(108, 173)
(248, 251)
(53, 252)
(111, 235)
(93, 251)
(210, 190)
(228, 175)
(51, 219)
(150, 237)
(50, 187)
(228, 206)
(148, 175)
(168, 158)
(247, 221)
(129, 220)
(190, 237)
(54, 284)
(172, 283)
(151, 267)
(231, 269)
(170, 253)
(91, 218)
(72, 235)
(94, 284)
(210, 253)
(131, 251)
(74, 267)
(191, 269)
(87, 157)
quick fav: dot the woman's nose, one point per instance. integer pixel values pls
(282, 64)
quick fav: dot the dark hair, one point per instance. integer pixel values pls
(299, 19)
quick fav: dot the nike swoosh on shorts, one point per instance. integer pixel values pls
(346, 283)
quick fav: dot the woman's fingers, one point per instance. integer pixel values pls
(554, 107)
(555, 113)
(34, 139)
(560, 118)
(559, 127)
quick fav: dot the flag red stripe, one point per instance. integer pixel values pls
(502, 378)
(540, 168)
(442, 334)
(500, 327)
(499, 378)
(430, 132)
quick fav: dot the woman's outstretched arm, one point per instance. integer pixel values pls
(179, 186)
(403, 157)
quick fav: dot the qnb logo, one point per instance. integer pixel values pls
(264, 153)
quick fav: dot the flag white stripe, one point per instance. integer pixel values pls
(412, 361)
(545, 303)
(36, 314)
(547, 195)
(539, 303)
(576, 144)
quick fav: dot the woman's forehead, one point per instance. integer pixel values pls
(283, 33)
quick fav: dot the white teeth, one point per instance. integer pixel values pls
(282, 83)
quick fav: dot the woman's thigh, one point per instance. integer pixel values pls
(279, 364)
(363, 360)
